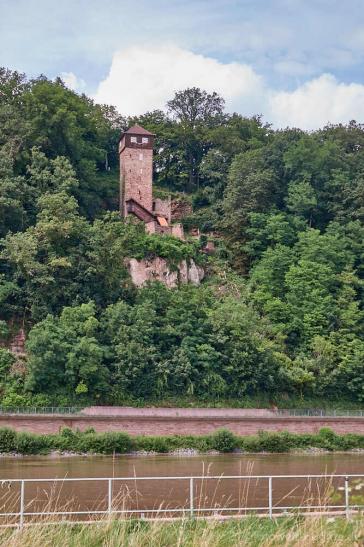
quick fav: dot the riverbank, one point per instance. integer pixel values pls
(251, 531)
(181, 453)
(221, 441)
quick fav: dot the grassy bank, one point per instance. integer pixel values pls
(252, 532)
(122, 443)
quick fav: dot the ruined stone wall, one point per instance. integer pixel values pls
(162, 207)
(180, 208)
(177, 231)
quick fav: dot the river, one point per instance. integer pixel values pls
(168, 494)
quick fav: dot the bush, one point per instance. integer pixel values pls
(67, 439)
(275, 442)
(121, 443)
(106, 443)
(352, 440)
(12, 399)
(88, 442)
(6, 360)
(328, 439)
(27, 443)
(223, 441)
(154, 444)
(7, 440)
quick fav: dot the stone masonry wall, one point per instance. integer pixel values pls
(136, 175)
(162, 207)
(136, 423)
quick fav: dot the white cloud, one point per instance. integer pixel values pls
(288, 67)
(143, 78)
(318, 102)
(71, 81)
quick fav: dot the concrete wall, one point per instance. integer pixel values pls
(181, 421)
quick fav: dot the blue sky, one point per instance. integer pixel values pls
(299, 62)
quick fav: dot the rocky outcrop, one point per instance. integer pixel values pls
(158, 269)
(17, 344)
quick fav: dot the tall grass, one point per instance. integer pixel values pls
(217, 530)
(251, 531)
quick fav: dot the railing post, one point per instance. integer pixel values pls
(347, 506)
(191, 498)
(21, 513)
(109, 497)
(270, 496)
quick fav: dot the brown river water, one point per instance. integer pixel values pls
(142, 496)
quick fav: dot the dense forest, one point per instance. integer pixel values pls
(280, 313)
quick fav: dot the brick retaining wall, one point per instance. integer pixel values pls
(153, 423)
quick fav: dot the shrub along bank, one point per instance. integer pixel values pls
(122, 443)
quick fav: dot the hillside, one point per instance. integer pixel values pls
(279, 316)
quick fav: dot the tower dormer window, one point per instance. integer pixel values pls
(133, 139)
(145, 140)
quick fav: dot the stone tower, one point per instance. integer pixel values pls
(136, 172)
(136, 184)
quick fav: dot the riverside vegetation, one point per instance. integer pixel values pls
(251, 531)
(222, 440)
(280, 314)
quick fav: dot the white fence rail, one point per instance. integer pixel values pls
(194, 505)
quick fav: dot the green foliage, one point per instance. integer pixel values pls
(6, 360)
(154, 444)
(65, 353)
(223, 441)
(28, 443)
(273, 442)
(282, 309)
(8, 439)
(105, 443)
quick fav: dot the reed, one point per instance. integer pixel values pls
(252, 531)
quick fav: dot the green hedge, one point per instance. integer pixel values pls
(122, 443)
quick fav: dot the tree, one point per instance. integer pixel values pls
(46, 258)
(251, 188)
(14, 195)
(249, 362)
(301, 200)
(195, 111)
(65, 353)
(130, 333)
(194, 106)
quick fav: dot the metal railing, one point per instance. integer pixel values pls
(192, 508)
(74, 410)
(69, 410)
(318, 412)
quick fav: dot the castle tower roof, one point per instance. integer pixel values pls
(138, 130)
